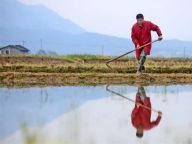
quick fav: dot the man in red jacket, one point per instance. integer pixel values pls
(141, 34)
(141, 117)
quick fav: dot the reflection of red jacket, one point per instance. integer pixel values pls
(141, 36)
(143, 116)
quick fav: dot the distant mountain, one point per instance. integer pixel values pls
(38, 27)
(62, 43)
(173, 48)
(15, 15)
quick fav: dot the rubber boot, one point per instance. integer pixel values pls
(142, 93)
(141, 62)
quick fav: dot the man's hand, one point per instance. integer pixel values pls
(138, 105)
(160, 38)
(160, 113)
(138, 46)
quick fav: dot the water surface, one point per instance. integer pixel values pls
(92, 115)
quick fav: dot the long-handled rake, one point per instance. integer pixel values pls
(116, 93)
(114, 59)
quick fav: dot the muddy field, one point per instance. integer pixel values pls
(33, 70)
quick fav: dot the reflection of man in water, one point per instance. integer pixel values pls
(141, 117)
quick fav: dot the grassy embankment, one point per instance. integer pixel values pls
(77, 69)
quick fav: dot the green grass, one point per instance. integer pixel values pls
(87, 68)
(73, 57)
(90, 69)
(84, 63)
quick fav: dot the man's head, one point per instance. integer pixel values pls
(140, 19)
(139, 132)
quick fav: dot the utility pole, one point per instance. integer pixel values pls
(23, 43)
(102, 50)
(184, 52)
(41, 41)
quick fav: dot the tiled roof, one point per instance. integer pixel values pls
(19, 47)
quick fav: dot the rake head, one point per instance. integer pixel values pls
(107, 64)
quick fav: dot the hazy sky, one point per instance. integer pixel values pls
(115, 17)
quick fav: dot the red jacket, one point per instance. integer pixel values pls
(143, 116)
(142, 35)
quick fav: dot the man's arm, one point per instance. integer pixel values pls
(157, 29)
(157, 121)
(133, 37)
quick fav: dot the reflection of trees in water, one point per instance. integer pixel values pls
(5, 95)
(123, 90)
(161, 91)
(119, 89)
(166, 90)
(43, 96)
(165, 94)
